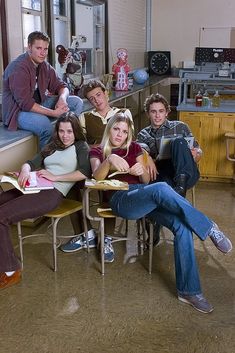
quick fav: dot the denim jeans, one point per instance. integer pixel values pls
(162, 204)
(181, 162)
(40, 124)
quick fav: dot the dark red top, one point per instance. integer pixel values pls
(134, 151)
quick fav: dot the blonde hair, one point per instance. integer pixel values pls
(117, 118)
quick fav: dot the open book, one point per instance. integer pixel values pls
(35, 183)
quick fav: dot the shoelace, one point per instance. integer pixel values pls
(216, 234)
(108, 247)
(74, 240)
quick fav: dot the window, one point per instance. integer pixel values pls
(61, 32)
(32, 18)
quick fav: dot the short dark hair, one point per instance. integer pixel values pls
(156, 98)
(92, 84)
(38, 35)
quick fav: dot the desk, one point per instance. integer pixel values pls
(96, 185)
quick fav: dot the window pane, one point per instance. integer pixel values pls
(32, 4)
(61, 33)
(31, 23)
(59, 7)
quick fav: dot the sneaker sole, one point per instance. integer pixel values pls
(231, 248)
(108, 261)
(74, 250)
(183, 300)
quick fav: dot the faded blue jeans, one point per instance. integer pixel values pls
(41, 125)
(162, 204)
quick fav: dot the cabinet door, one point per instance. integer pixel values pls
(210, 144)
(192, 119)
(227, 124)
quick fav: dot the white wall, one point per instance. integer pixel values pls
(176, 24)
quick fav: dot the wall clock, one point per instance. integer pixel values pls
(159, 62)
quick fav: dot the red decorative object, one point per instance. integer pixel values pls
(120, 70)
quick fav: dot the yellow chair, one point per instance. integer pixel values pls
(66, 208)
(103, 213)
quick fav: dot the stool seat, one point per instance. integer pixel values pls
(105, 212)
(230, 135)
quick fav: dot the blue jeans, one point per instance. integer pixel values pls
(40, 124)
(162, 204)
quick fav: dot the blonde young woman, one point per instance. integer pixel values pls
(159, 201)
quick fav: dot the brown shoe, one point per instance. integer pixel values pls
(7, 281)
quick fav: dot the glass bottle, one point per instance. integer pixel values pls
(198, 99)
(205, 99)
(216, 99)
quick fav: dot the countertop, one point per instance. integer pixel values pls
(225, 107)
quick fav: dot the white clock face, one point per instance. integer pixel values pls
(159, 63)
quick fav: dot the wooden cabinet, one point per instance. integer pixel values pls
(209, 129)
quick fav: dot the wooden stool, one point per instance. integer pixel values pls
(66, 208)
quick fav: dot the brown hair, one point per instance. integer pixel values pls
(156, 98)
(55, 143)
(37, 35)
(90, 85)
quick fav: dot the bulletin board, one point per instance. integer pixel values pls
(216, 37)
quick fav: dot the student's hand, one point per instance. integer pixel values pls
(60, 110)
(151, 168)
(118, 163)
(137, 169)
(61, 103)
(196, 154)
(24, 175)
(46, 174)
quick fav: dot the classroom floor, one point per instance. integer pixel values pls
(127, 310)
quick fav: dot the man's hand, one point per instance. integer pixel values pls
(196, 153)
(151, 168)
(62, 103)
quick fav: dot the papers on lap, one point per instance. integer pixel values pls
(35, 184)
(165, 146)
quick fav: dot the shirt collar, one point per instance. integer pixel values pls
(165, 125)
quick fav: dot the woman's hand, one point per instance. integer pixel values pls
(118, 163)
(137, 169)
(24, 175)
(47, 175)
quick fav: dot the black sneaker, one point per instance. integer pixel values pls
(156, 231)
(198, 302)
(220, 240)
